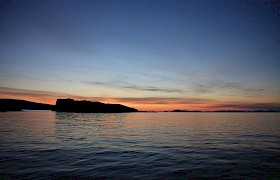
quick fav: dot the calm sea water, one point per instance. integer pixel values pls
(50, 145)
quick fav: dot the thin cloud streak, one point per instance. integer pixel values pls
(163, 100)
(248, 106)
(236, 88)
(27, 92)
(34, 95)
(123, 85)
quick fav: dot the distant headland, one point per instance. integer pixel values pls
(178, 110)
(19, 105)
(226, 111)
(65, 105)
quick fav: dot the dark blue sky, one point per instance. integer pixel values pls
(218, 51)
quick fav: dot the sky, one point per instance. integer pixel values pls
(153, 55)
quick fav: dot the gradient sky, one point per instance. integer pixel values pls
(151, 55)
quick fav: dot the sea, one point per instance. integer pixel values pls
(164, 145)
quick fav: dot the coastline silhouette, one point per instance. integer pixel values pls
(19, 105)
(64, 105)
(83, 106)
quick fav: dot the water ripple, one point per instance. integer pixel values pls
(49, 145)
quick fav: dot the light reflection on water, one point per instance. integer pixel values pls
(45, 144)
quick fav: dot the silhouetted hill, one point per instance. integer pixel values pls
(70, 105)
(18, 105)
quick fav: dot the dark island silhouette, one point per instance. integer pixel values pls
(64, 105)
(70, 105)
(19, 105)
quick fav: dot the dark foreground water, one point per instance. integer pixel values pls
(50, 145)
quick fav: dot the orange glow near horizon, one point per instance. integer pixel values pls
(143, 105)
(45, 99)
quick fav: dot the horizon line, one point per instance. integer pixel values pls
(173, 110)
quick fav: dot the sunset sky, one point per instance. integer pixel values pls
(152, 55)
